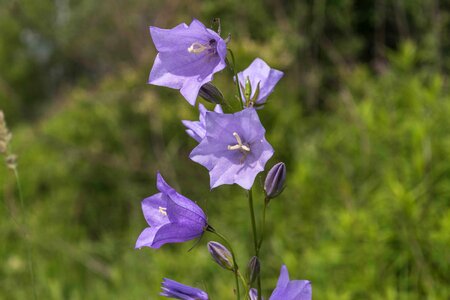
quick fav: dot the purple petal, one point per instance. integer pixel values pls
(173, 233)
(291, 290)
(171, 288)
(218, 109)
(146, 237)
(283, 279)
(194, 129)
(160, 75)
(260, 72)
(154, 209)
(253, 294)
(188, 215)
(247, 119)
(179, 199)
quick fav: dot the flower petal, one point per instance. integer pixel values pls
(154, 209)
(173, 233)
(179, 199)
(146, 237)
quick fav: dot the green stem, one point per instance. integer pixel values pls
(27, 242)
(236, 81)
(235, 267)
(255, 236)
(263, 225)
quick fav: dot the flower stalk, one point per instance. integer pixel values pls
(236, 272)
(255, 236)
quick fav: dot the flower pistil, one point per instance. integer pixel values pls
(239, 146)
(198, 48)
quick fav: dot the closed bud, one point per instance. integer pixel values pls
(210, 93)
(275, 178)
(247, 89)
(221, 255)
(253, 269)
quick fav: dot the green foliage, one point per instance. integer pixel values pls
(364, 134)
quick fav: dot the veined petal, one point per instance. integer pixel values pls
(179, 199)
(181, 212)
(173, 233)
(171, 288)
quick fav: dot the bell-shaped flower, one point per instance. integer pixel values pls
(172, 218)
(262, 80)
(234, 149)
(187, 58)
(287, 289)
(172, 289)
(197, 129)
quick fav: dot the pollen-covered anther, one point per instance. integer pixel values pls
(163, 210)
(239, 145)
(197, 48)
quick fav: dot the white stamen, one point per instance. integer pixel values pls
(162, 210)
(239, 145)
(197, 48)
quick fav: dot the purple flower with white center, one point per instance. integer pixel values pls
(234, 149)
(172, 217)
(259, 73)
(287, 289)
(188, 57)
(172, 289)
(197, 129)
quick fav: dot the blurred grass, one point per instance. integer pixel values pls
(365, 136)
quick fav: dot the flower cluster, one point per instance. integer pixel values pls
(231, 145)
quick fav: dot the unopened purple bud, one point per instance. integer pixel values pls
(275, 178)
(211, 93)
(254, 267)
(221, 255)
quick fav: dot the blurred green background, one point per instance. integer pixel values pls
(361, 118)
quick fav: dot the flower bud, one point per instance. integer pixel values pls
(221, 255)
(247, 89)
(275, 178)
(210, 93)
(253, 294)
(253, 269)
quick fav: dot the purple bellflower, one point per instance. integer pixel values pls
(197, 129)
(172, 217)
(234, 149)
(187, 58)
(172, 289)
(287, 289)
(260, 74)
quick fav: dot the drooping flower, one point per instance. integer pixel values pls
(172, 289)
(287, 289)
(262, 80)
(188, 57)
(197, 129)
(172, 217)
(234, 149)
